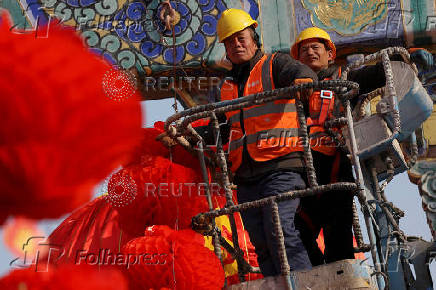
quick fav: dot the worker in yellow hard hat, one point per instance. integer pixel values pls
(331, 212)
(261, 167)
(319, 40)
(236, 21)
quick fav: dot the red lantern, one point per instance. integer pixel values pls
(60, 133)
(173, 259)
(170, 188)
(16, 234)
(66, 277)
(168, 194)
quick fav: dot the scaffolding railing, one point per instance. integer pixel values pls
(179, 125)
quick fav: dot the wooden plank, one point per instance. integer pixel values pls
(346, 274)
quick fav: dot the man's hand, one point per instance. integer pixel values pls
(305, 94)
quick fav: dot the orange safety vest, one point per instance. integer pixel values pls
(271, 129)
(321, 105)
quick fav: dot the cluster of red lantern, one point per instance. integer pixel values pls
(177, 260)
(61, 134)
(65, 277)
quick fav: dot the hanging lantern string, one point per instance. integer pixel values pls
(168, 16)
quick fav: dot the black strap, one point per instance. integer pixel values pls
(266, 74)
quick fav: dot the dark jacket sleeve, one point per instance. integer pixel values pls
(285, 70)
(207, 132)
(369, 78)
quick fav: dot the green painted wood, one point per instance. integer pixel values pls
(18, 14)
(108, 27)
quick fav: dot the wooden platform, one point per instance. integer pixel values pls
(346, 274)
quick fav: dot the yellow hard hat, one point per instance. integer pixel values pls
(233, 20)
(312, 32)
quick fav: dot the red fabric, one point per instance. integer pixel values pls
(358, 256)
(200, 122)
(321, 245)
(180, 261)
(89, 229)
(167, 194)
(149, 146)
(98, 225)
(60, 133)
(179, 154)
(320, 241)
(180, 195)
(66, 277)
(244, 244)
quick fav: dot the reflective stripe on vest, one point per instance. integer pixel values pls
(271, 129)
(266, 136)
(321, 105)
(268, 108)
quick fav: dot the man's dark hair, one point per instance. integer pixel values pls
(323, 41)
(327, 47)
(255, 36)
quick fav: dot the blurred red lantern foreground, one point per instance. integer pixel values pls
(65, 277)
(61, 134)
(17, 233)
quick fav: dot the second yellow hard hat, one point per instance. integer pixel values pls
(312, 32)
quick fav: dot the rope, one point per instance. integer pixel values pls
(203, 111)
(340, 186)
(361, 246)
(366, 99)
(221, 159)
(168, 16)
(284, 265)
(302, 132)
(384, 207)
(179, 125)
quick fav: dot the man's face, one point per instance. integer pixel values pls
(314, 54)
(240, 46)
